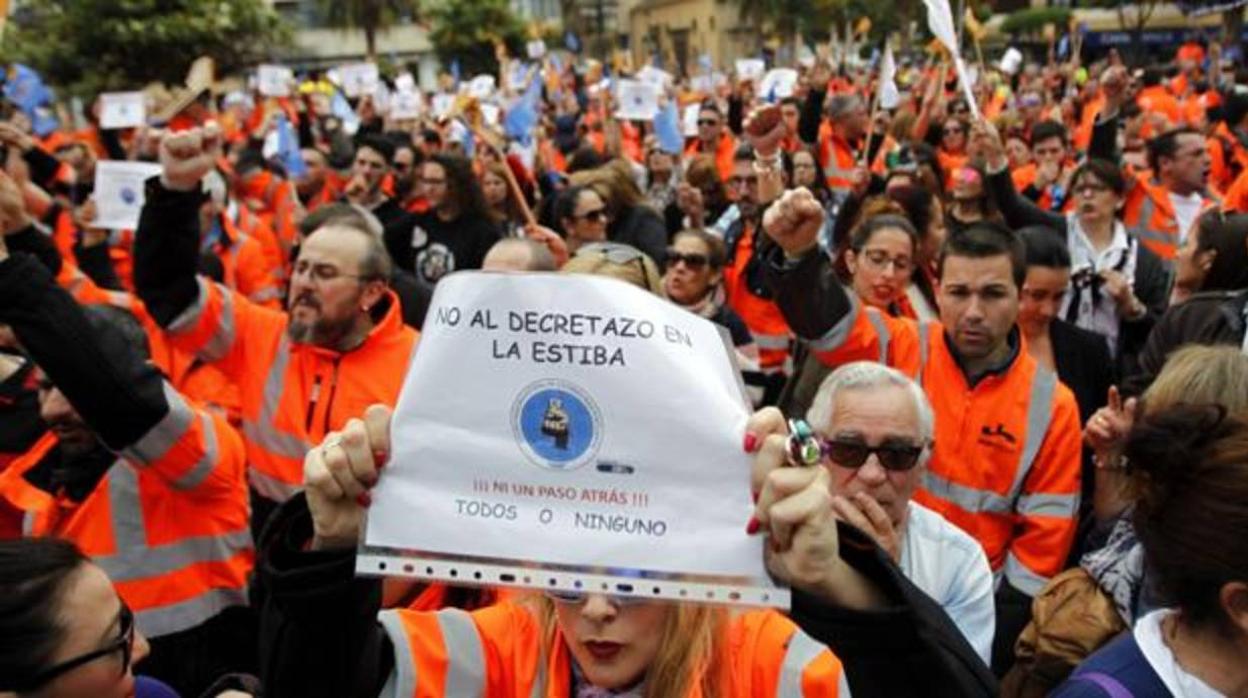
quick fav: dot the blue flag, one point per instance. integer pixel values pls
(288, 149)
(523, 115)
(455, 71)
(25, 89)
(667, 129)
(572, 42)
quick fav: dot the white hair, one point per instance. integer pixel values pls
(864, 375)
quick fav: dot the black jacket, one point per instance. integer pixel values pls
(643, 228)
(320, 636)
(1205, 318)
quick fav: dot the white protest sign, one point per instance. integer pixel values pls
(778, 82)
(548, 448)
(536, 49)
(689, 120)
(442, 104)
(1011, 61)
(482, 87)
(274, 80)
(122, 109)
(405, 83)
(405, 105)
(655, 76)
(119, 192)
(359, 79)
(703, 83)
(637, 100)
(750, 68)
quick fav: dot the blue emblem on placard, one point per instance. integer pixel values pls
(557, 425)
(129, 196)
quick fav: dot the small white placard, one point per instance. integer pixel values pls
(637, 100)
(359, 79)
(536, 49)
(122, 109)
(405, 105)
(482, 87)
(750, 68)
(778, 82)
(274, 80)
(119, 192)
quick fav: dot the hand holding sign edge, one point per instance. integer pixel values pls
(338, 474)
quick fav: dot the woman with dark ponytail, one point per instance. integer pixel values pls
(1188, 467)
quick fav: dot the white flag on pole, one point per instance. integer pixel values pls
(940, 21)
(888, 96)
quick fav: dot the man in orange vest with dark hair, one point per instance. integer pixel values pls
(714, 139)
(1160, 206)
(146, 482)
(300, 373)
(838, 138)
(1006, 462)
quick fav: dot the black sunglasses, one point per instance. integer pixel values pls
(694, 260)
(124, 643)
(852, 454)
(595, 216)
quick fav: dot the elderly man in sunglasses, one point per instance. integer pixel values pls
(873, 428)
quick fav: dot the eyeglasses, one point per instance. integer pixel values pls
(695, 261)
(852, 454)
(1090, 189)
(707, 122)
(124, 644)
(322, 273)
(598, 215)
(879, 259)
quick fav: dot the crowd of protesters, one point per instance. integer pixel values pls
(1015, 325)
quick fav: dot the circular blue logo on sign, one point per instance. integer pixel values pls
(129, 195)
(557, 425)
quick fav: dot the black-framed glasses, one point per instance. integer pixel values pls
(124, 644)
(852, 454)
(598, 215)
(695, 261)
(707, 122)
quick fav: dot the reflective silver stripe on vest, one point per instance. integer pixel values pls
(266, 294)
(166, 620)
(28, 524)
(136, 560)
(1057, 505)
(539, 681)
(465, 671)
(1039, 412)
(924, 350)
(1143, 229)
(153, 445)
(968, 498)
(801, 651)
(1022, 578)
(775, 342)
(262, 431)
(270, 487)
(189, 317)
(131, 564)
(202, 468)
(402, 681)
(835, 337)
(222, 335)
(881, 330)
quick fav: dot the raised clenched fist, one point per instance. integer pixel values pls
(794, 221)
(187, 156)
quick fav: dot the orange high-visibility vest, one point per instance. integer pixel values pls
(725, 150)
(246, 266)
(1005, 466)
(291, 394)
(499, 651)
(838, 160)
(1149, 214)
(761, 315)
(168, 522)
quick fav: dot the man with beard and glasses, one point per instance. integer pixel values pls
(301, 373)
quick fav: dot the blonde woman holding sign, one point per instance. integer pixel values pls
(856, 624)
